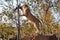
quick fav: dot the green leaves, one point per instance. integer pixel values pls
(6, 30)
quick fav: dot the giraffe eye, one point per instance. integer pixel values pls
(20, 7)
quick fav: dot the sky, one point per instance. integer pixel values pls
(3, 2)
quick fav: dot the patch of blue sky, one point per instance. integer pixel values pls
(14, 3)
(44, 1)
(3, 2)
(56, 16)
(0, 9)
(34, 4)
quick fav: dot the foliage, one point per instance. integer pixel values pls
(45, 11)
(28, 30)
(6, 31)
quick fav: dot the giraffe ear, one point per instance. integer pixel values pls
(26, 5)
